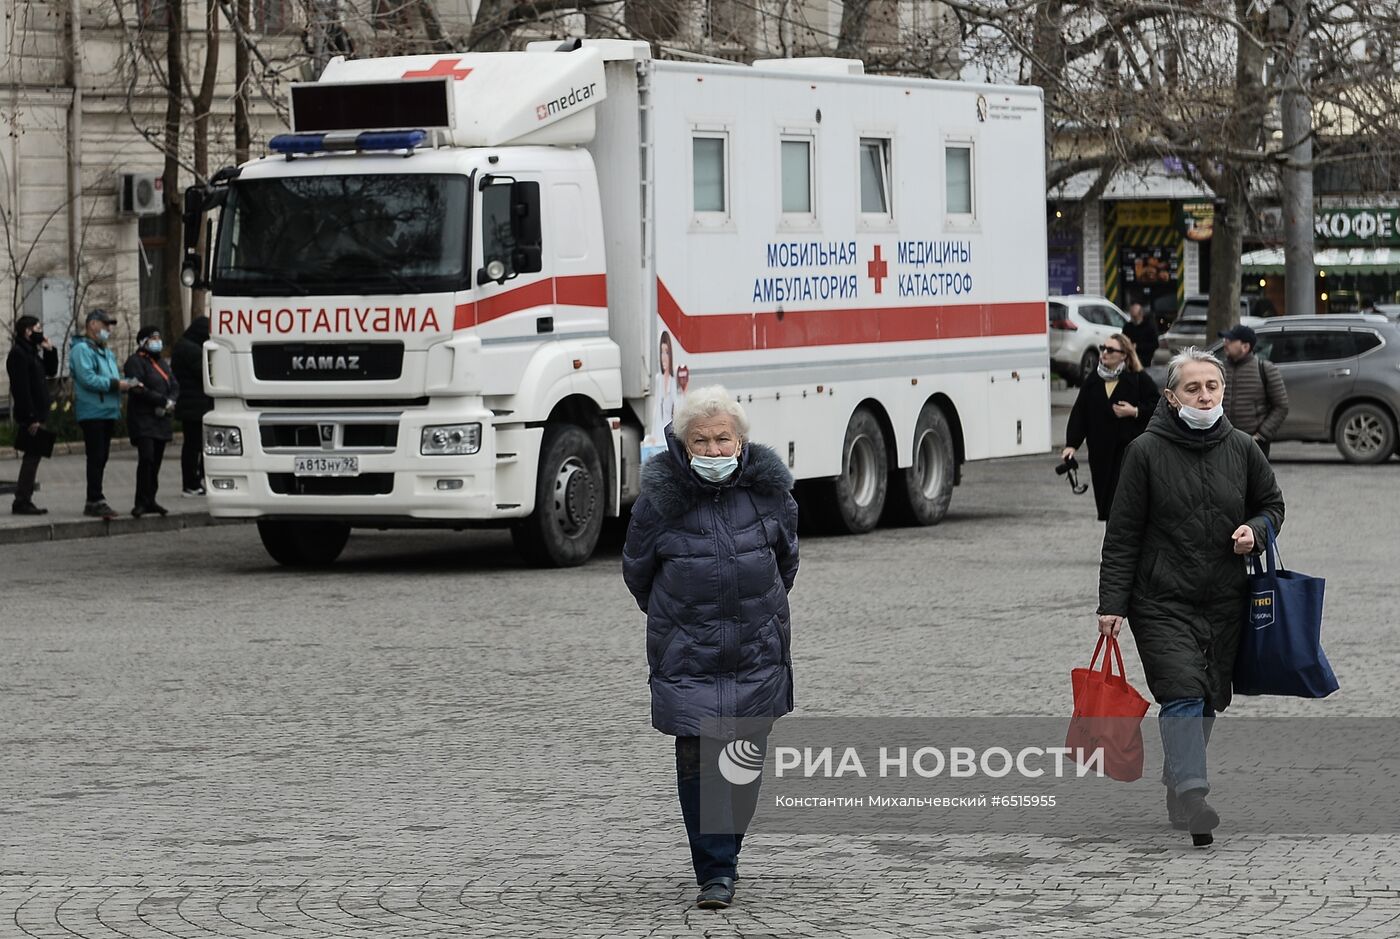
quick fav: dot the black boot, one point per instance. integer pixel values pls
(1175, 815)
(27, 508)
(1201, 819)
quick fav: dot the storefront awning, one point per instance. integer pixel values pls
(1341, 260)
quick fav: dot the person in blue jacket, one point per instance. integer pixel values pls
(711, 555)
(97, 388)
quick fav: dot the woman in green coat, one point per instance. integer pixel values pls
(1193, 495)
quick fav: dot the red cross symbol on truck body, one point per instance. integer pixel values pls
(442, 68)
(877, 270)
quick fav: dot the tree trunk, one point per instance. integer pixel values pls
(242, 134)
(174, 317)
(203, 103)
(850, 40)
(1246, 133)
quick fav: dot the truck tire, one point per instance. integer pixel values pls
(570, 501)
(1365, 434)
(859, 492)
(920, 494)
(303, 544)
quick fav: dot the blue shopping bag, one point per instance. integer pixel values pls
(1281, 644)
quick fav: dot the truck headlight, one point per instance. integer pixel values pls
(451, 440)
(222, 441)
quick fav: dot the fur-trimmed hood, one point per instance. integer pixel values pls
(673, 488)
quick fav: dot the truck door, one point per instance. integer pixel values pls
(514, 273)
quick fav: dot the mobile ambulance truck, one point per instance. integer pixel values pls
(471, 290)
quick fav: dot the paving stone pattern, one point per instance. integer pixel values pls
(433, 740)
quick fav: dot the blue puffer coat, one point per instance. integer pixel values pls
(711, 566)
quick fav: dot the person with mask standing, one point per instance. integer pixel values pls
(150, 416)
(97, 388)
(187, 365)
(31, 363)
(1113, 407)
(1193, 496)
(1256, 400)
(711, 555)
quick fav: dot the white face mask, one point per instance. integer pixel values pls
(715, 469)
(1108, 374)
(1201, 420)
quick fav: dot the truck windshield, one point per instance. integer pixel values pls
(344, 234)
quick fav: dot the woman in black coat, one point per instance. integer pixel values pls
(1114, 405)
(31, 363)
(1196, 495)
(710, 557)
(150, 406)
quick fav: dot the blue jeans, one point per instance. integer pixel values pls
(1185, 725)
(717, 833)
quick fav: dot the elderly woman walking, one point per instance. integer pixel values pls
(1194, 495)
(711, 554)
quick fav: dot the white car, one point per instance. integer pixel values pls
(1078, 326)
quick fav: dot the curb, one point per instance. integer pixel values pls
(96, 528)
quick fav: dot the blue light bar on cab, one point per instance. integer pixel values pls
(291, 144)
(297, 143)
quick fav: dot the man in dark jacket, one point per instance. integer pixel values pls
(31, 363)
(1142, 330)
(1256, 401)
(1193, 495)
(187, 363)
(711, 554)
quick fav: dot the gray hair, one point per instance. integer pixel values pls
(706, 403)
(1184, 358)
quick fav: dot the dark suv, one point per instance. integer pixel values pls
(1342, 373)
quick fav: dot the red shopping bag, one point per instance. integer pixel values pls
(1107, 715)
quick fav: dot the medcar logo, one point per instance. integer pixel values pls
(561, 104)
(326, 363)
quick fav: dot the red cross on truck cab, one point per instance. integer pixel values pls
(442, 68)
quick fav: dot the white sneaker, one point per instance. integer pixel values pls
(193, 493)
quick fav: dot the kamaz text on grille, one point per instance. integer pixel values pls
(337, 320)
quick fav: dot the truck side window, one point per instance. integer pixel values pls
(708, 170)
(512, 237)
(875, 175)
(957, 165)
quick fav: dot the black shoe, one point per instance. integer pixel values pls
(100, 510)
(139, 511)
(1201, 819)
(157, 508)
(1175, 814)
(716, 894)
(27, 508)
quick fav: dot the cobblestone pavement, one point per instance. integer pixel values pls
(432, 740)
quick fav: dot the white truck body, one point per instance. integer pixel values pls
(650, 281)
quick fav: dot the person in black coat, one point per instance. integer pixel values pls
(31, 363)
(186, 363)
(1142, 332)
(149, 416)
(1114, 405)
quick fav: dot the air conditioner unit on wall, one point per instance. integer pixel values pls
(140, 194)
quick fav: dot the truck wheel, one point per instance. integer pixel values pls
(920, 494)
(569, 501)
(860, 489)
(1365, 434)
(303, 544)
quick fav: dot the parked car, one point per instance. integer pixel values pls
(1342, 372)
(1189, 329)
(1078, 326)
